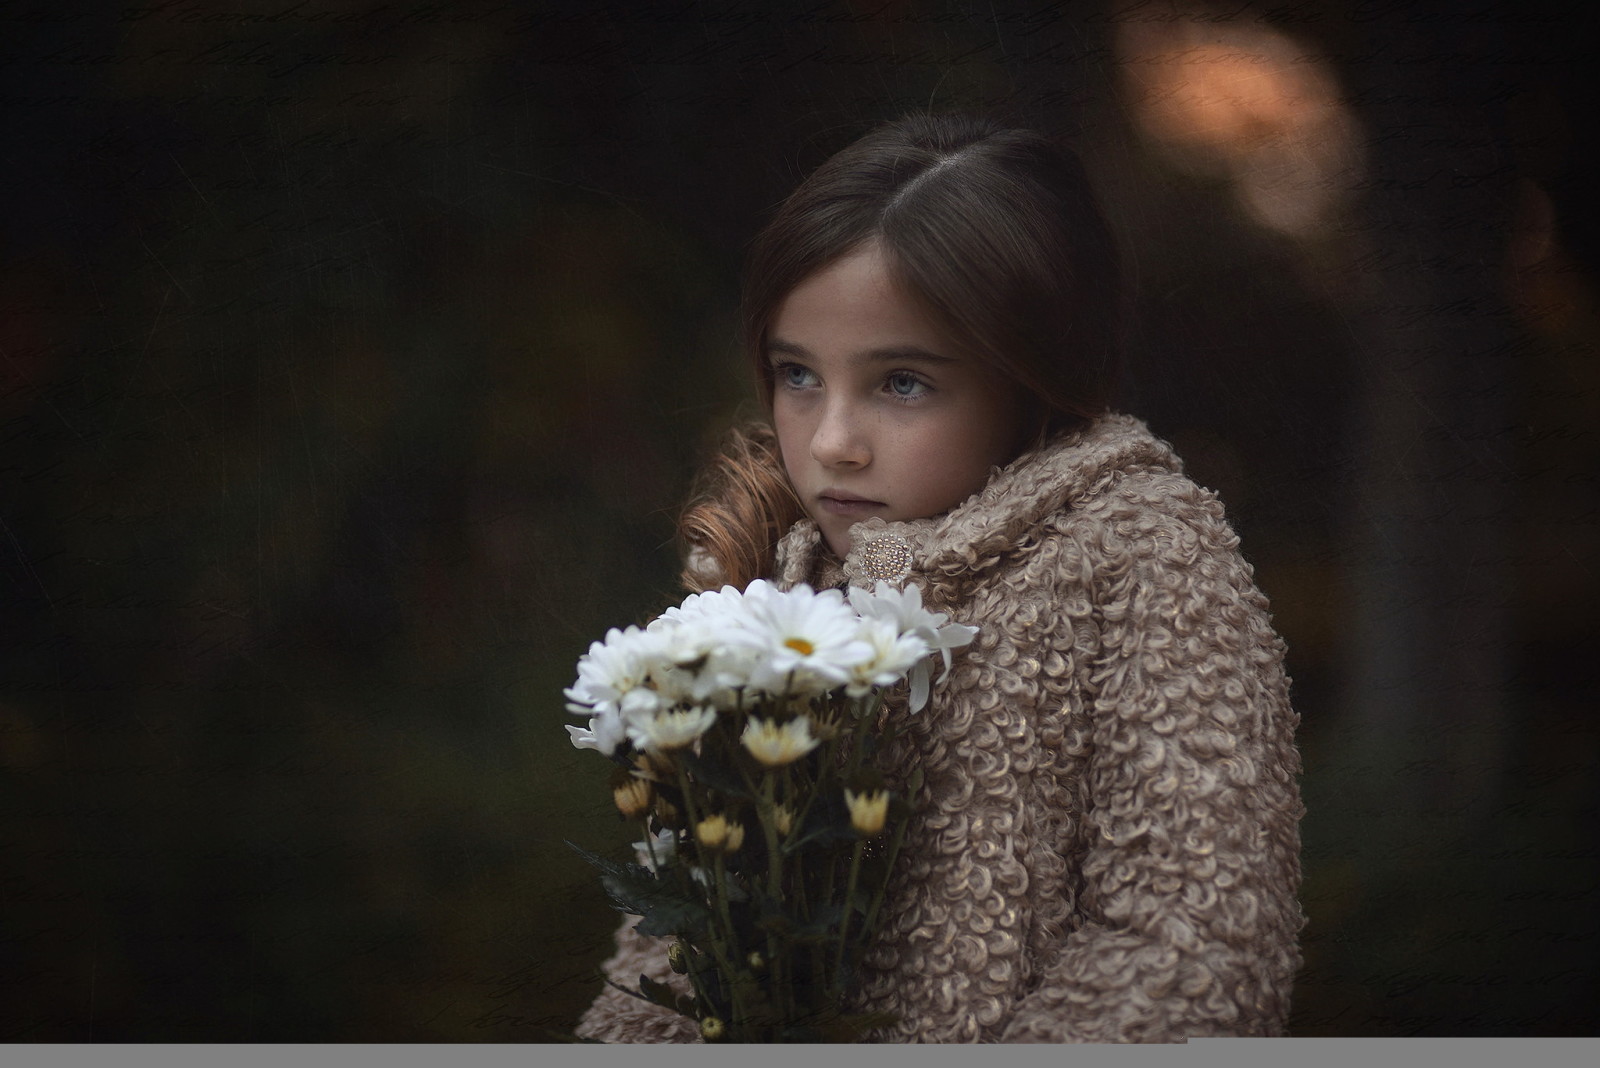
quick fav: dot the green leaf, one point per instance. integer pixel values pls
(660, 993)
(635, 889)
(663, 995)
(605, 865)
(673, 915)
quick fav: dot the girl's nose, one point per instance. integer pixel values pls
(839, 440)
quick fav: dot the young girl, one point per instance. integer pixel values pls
(1105, 846)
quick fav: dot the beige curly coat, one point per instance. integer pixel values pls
(1105, 847)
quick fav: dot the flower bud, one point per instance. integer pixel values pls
(720, 833)
(677, 958)
(783, 820)
(756, 961)
(868, 810)
(825, 723)
(712, 1029)
(656, 768)
(633, 797)
(775, 744)
(712, 832)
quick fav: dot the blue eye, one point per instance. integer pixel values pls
(793, 376)
(905, 385)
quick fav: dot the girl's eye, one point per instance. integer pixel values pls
(793, 376)
(905, 385)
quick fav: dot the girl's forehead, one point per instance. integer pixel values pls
(854, 299)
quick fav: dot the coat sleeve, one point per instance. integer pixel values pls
(619, 1017)
(1191, 872)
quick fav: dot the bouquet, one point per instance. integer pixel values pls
(744, 728)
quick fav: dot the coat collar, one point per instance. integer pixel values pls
(972, 536)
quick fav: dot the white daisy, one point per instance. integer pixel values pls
(604, 733)
(776, 745)
(893, 654)
(702, 640)
(809, 638)
(715, 604)
(612, 669)
(903, 609)
(672, 729)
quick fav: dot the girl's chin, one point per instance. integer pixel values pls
(836, 537)
(836, 530)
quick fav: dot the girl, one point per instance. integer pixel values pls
(1105, 846)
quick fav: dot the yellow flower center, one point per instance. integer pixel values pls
(801, 646)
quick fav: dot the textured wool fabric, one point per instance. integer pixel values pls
(1105, 847)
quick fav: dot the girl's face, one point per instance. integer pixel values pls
(876, 413)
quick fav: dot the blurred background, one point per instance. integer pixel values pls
(355, 359)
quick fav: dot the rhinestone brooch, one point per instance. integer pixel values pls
(886, 557)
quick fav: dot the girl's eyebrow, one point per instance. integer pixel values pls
(888, 354)
(779, 347)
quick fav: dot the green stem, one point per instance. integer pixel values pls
(827, 766)
(844, 924)
(877, 898)
(769, 826)
(726, 956)
(864, 720)
(695, 981)
(720, 869)
(719, 903)
(688, 958)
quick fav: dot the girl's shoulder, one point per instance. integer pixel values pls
(1145, 499)
(1115, 471)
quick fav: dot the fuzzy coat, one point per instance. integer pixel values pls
(1105, 847)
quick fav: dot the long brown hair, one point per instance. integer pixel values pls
(995, 231)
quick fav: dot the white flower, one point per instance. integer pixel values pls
(643, 702)
(714, 604)
(584, 738)
(893, 654)
(604, 733)
(670, 730)
(665, 845)
(776, 745)
(683, 638)
(809, 638)
(705, 639)
(660, 687)
(920, 686)
(612, 669)
(903, 609)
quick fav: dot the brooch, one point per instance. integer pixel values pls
(886, 557)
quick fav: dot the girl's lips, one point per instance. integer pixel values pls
(847, 504)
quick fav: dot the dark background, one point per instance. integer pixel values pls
(354, 359)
